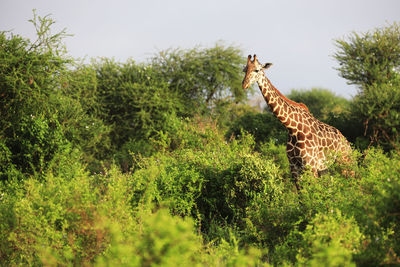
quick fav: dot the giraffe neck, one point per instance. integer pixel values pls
(286, 110)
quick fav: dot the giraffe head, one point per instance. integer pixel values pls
(253, 70)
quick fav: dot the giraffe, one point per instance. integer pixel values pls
(309, 140)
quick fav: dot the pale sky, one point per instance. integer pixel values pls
(296, 36)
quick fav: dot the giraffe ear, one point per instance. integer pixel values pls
(266, 66)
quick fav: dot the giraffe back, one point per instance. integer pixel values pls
(312, 142)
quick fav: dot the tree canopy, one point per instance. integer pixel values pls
(371, 60)
(202, 75)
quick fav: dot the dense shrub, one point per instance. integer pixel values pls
(88, 220)
(330, 238)
(230, 190)
(132, 100)
(201, 76)
(37, 143)
(263, 126)
(371, 61)
(39, 116)
(203, 182)
(161, 240)
(78, 108)
(29, 73)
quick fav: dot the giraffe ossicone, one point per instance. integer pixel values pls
(310, 141)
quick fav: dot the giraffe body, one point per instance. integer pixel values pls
(310, 141)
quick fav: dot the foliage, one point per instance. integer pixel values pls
(199, 76)
(132, 100)
(191, 173)
(78, 109)
(92, 222)
(162, 240)
(205, 186)
(37, 144)
(135, 100)
(29, 72)
(233, 196)
(227, 113)
(332, 239)
(263, 126)
(371, 61)
(380, 112)
(371, 57)
(38, 117)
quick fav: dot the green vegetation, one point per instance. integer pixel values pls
(163, 164)
(371, 61)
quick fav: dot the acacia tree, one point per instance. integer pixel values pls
(30, 134)
(43, 118)
(371, 61)
(132, 100)
(200, 76)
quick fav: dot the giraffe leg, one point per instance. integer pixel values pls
(295, 171)
(319, 173)
(296, 183)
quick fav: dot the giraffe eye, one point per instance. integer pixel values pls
(256, 70)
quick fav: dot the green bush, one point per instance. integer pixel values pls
(134, 104)
(214, 181)
(277, 153)
(39, 116)
(38, 141)
(7, 168)
(62, 220)
(201, 76)
(208, 186)
(161, 240)
(88, 220)
(29, 73)
(332, 239)
(263, 126)
(371, 61)
(83, 130)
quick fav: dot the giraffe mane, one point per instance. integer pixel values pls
(291, 102)
(300, 105)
